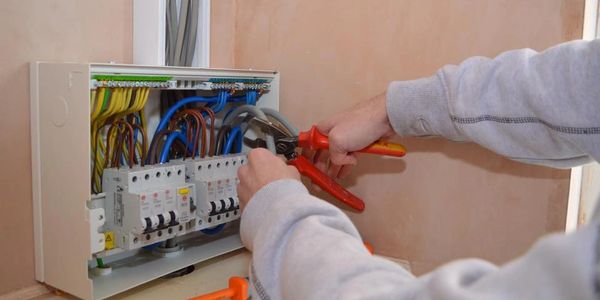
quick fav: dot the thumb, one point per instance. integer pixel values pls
(325, 126)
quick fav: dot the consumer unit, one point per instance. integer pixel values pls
(135, 168)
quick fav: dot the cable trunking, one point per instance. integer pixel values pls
(135, 168)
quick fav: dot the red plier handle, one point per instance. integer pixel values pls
(306, 168)
(315, 140)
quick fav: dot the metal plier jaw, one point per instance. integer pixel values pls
(286, 146)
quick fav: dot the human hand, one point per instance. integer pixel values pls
(352, 130)
(263, 167)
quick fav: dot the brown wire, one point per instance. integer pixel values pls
(124, 135)
(144, 142)
(182, 117)
(154, 144)
(200, 133)
(211, 115)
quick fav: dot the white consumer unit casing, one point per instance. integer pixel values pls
(139, 206)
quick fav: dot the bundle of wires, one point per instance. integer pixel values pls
(181, 131)
(185, 136)
(118, 132)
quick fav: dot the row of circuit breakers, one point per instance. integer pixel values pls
(147, 205)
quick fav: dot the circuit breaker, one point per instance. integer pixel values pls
(215, 181)
(147, 205)
(135, 168)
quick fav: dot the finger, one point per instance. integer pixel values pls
(294, 172)
(345, 170)
(342, 158)
(309, 154)
(333, 170)
(242, 196)
(242, 172)
(257, 156)
(326, 125)
(321, 159)
(242, 190)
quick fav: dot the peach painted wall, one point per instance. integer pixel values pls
(445, 200)
(58, 30)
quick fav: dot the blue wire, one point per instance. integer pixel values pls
(213, 230)
(151, 246)
(238, 143)
(251, 97)
(164, 155)
(165, 120)
(228, 113)
(222, 101)
(136, 130)
(232, 136)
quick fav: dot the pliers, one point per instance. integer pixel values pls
(286, 144)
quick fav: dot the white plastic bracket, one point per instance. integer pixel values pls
(96, 218)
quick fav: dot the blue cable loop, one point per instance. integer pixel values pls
(213, 230)
(151, 246)
(235, 132)
(164, 155)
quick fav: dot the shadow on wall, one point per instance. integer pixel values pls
(467, 153)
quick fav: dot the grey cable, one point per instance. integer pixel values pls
(183, 11)
(255, 111)
(171, 32)
(281, 119)
(186, 31)
(192, 33)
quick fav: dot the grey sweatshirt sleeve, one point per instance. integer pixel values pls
(304, 248)
(541, 108)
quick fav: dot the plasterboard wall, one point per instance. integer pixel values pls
(445, 200)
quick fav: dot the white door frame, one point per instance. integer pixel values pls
(578, 176)
(149, 31)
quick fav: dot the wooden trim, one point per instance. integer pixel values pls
(27, 293)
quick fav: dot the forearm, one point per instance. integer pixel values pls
(534, 107)
(305, 248)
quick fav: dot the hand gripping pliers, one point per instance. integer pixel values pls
(287, 145)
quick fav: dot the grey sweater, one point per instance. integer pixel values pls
(541, 108)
